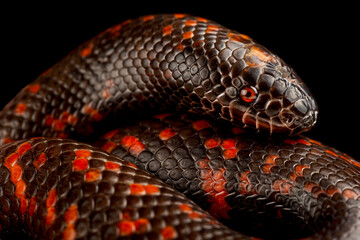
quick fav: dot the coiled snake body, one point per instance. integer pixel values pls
(260, 185)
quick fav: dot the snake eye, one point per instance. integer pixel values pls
(248, 94)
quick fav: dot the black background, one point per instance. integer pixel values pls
(319, 42)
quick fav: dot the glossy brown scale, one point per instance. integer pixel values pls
(271, 188)
(60, 189)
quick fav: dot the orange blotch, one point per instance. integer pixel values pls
(51, 198)
(212, 142)
(167, 30)
(200, 19)
(152, 189)
(82, 153)
(309, 186)
(92, 175)
(212, 28)
(15, 173)
(163, 115)
(10, 160)
(300, 168)
(23, 148)
(237, 130)
(270, 159)
(109, 146)
(49, 120)
(292, 176)
(190, 23)
(266, 168)
(58, 125)
(282, 185)
(127, 141)
(238, 37)
(185, 208)
(80, 164)
(166, 134)
(188, 35)
(71, 214)
(93, 113)
(20, 188)
(111, 134)
(331, 153)
(350, 194)
(168, 233)
(137, 189)
(32, 206)
(34, 88)
(137, 148)
(40, 160)
(200, 124)
(230, 153)
(290, 141)
(7, 140)
(179, 15)
(87, 50)
(303, 141)
(112, 166)
(141, 225)
(315, 142)
(20, 108)
(24, 203)
(228, 143)
(257, 56)
(69, 233)
(126, 228)
(243, 182)
(148, 18)
(50, 216)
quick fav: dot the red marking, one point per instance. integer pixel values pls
(202, 164)
(185, 208)
(166, 134)
(348, 193)
(200, 19)
(228, 143)
(212, 28)
(270, 159)
(109, 146)
(20, 108)
(243, 182)
(32, 206)
(50, 216)
(162, 116)
(111, 134)
(141, 225)
(309, 186)
(24, 203)
(58, 126)
(212, 142)
(300, 168)
(40, 160)
(10, 160)
(315, 142)
(282, 185)
(137, 189)
(187, 35)
(126, 228)
(68, 118)
(179, 15)
(190, 23)
(20, 188)
(69, 233)
(48, 120)
(237, 130)
(168, 233)
(112, 166)
(93, 113)
(148, 18)
(198, 43)
(303, 141)
(266, 168)
(82, 153)
(34, 88)
(92, 175)
(331, 152)
(23, 148)
(133, 144)
(62, 135)
(127, 141)
(87, 51)
(152, 189)
(292, 176)
(51, 198)
(71, 214)
(238, 37)
(15, 173)
(167, 30)
(80, 164)
(179, 47)
(290, 141)
(200, 124)
(6, 140)
(230, 153)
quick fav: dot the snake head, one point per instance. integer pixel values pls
(263, 92)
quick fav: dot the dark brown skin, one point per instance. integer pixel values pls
(262, 186)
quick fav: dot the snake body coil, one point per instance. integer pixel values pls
(259, 185)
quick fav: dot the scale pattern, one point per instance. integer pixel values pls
(267, 187)
(61, 189)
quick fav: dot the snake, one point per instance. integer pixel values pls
(216, 152)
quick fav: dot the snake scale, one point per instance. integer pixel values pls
(221, 123)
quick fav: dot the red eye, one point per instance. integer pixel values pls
(248, 94)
